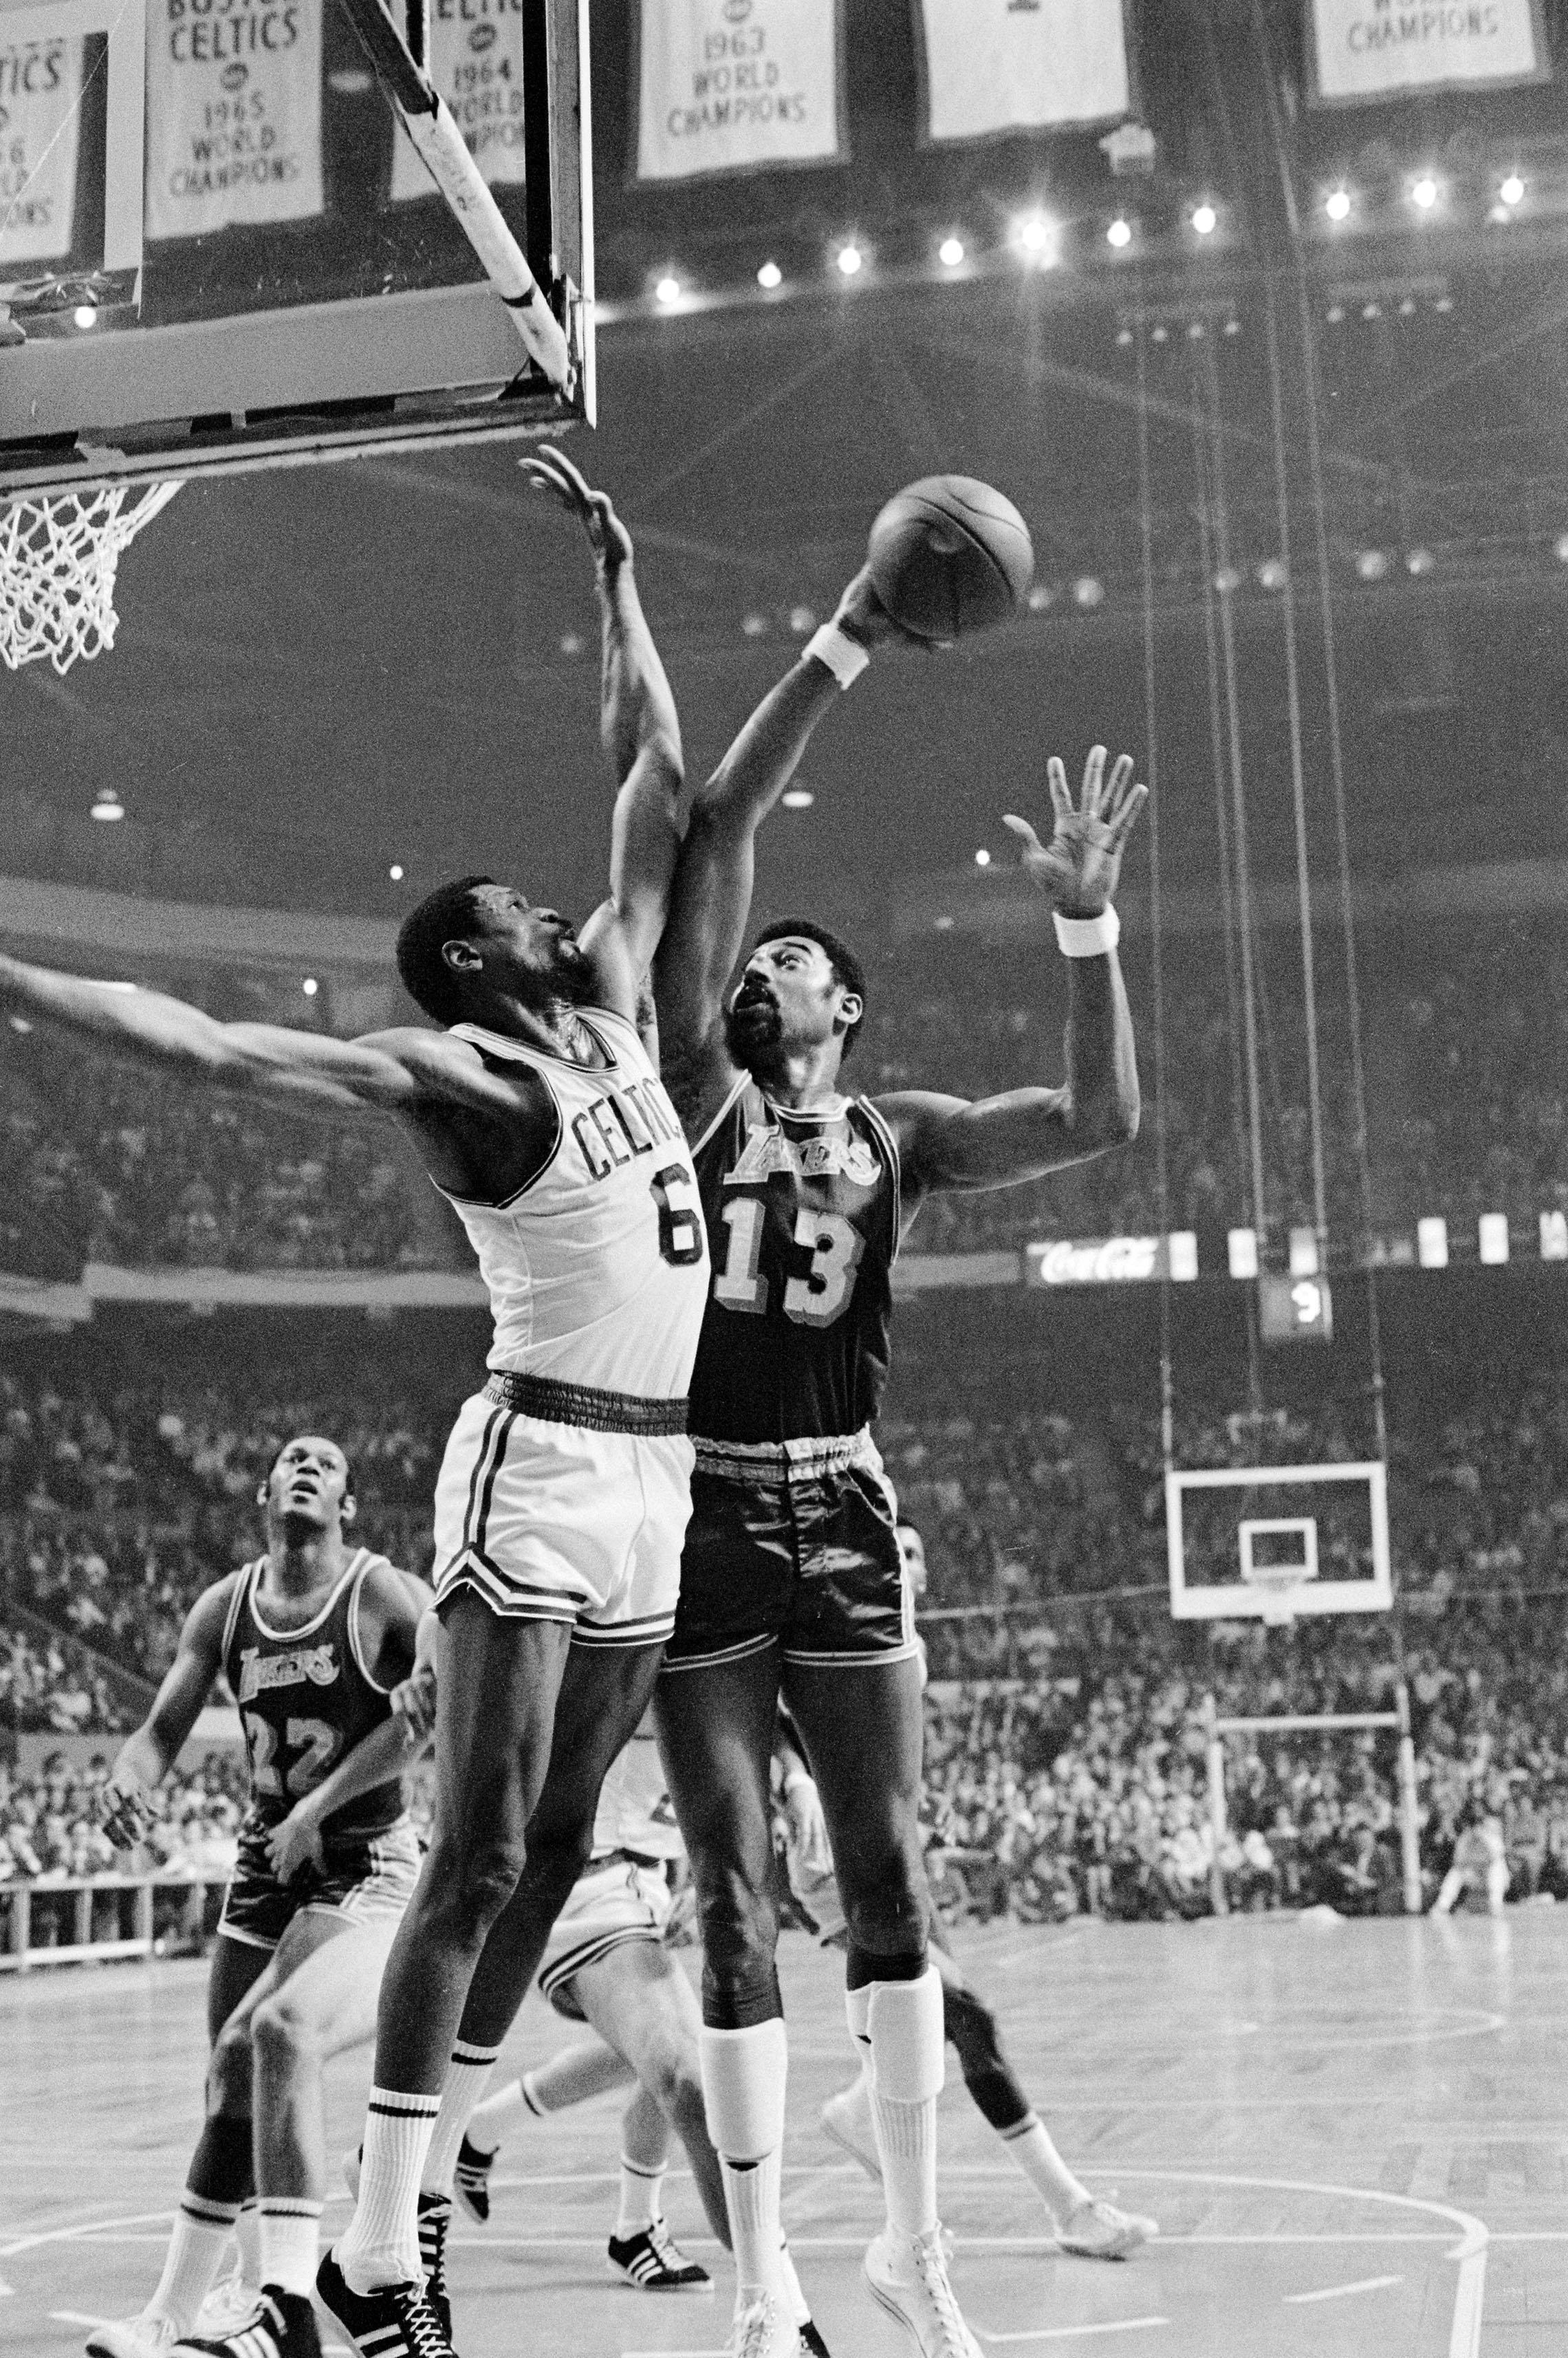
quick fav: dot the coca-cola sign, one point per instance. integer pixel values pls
(1111, 1260)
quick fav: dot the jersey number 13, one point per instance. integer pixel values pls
(814, 1299)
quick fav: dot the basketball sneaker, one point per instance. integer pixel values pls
(652, 2261)
(435, 2218)
(393, 2321)
(1099, 2231)
(762, 2331)
(811, 2340)
(282, 2326)
(908, 2277)
(471, 2183)
(146, 2336)
(230, 2304)
(846, 2118)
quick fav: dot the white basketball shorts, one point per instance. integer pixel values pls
(551, 1521)
(615, 1900)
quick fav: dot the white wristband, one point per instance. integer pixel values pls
(845, 657)
(1079, 937)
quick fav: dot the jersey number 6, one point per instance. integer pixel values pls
(674, 1190)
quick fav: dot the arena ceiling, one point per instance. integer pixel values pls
(320, 673)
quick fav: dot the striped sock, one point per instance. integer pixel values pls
(289, 2242)
(470, 2068)
(382, 2245)
(202, 2231)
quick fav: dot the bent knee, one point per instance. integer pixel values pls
(470, 1882)
(229, 2069)
(283, 2033)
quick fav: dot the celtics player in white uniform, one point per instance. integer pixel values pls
(564, 1497)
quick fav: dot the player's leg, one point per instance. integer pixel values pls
(498, 1681)
(318, 2000)
(1092, 2229)
(604, 1691)
(574, 2076)
(638, 1999)
(219, 2177)
(716, 1731)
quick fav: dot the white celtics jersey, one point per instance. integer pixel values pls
(597, 1270)
(634, 1809)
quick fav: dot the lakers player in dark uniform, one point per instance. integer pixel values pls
(791, 1577)
(316, 1639)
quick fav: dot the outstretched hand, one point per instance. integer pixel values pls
(551, 470)
(1081, 865)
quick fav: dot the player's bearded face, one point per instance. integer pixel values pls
(787, 1000)
(535, 952)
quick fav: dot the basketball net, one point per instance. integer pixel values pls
(58, 557)
(1279, 1587)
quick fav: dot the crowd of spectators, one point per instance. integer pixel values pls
(51, 1840)
(1466, 1056)
(1066, 1771)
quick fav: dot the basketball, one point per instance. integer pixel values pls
(949, 554)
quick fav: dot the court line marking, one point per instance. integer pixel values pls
(1469, 2251)
(1338, 2292)
(1071, 2332)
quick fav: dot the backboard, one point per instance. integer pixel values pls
(220, 247)
(1271, 1542)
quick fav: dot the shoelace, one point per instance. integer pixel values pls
(931, 2261)
(663, 2242)
(756, 2331)
(422, 2334)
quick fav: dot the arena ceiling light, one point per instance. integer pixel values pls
(769, 276)
(1420, 562)
(1120, 233)
(982, 858)
(1271, 574)
(1562, 548)
(1205, 220)
(85, 315)
(1423, 192)
(309, 986)
(1512, 190)
(798, 798)
(1372, 564)
(850, 259)
(1336, 205)
(1039, 237)
(395, 872)
(107, 805)
(667, 291)
(950, 253)
(1088, 592)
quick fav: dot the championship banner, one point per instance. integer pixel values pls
(475, 60)
(40, 95)
(988, 68)
(1363, 49)
(737, 86)
(234, 115)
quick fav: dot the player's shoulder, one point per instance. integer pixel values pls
(209, 1616)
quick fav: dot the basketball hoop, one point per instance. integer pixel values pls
(1278, 1587)
(58, 557)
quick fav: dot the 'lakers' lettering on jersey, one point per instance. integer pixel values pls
(596, 1269)
(803, 1217)
(635, 1812)
(305, 1698)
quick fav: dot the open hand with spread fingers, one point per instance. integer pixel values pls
(1081, 865)
(549, 469)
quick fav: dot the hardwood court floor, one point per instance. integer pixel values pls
(1353, 2137)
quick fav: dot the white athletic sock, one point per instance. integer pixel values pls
(470, 2069)
(382, 2244)
(640, 2193)
(857, 2009)
(202, 2230)
(858, 2098)
(289, 2242)
(1030, 2145)
(743, 2078)
(487, 2124)
(247, 2235)
(908, 2065)
(795, 2305)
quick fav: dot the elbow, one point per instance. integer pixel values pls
(1107, 1123)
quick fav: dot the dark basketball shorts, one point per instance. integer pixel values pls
(792, 1544)
(367, 1882)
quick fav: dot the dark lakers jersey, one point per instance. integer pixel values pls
(306, 1697)
(803, 1217)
